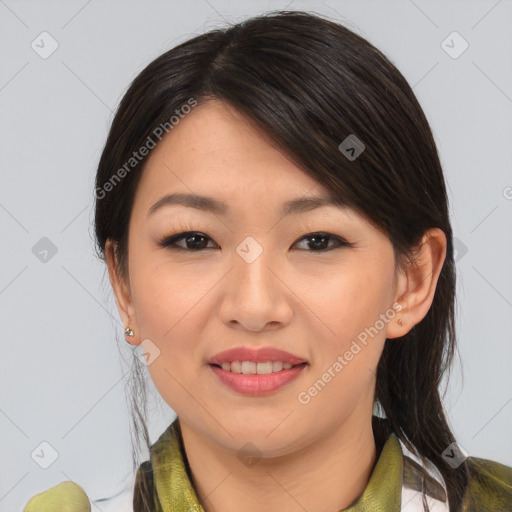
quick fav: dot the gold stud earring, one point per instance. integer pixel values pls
(128, 332)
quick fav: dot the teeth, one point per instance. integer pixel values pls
(249, 368)
(277, 366)
(252, 368)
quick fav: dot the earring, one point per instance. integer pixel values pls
(400, 322)
(128, 332)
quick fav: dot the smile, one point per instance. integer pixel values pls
(244, 376)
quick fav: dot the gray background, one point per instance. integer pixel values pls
(61, 375)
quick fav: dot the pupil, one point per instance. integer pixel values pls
(316, 238)
(199, 245)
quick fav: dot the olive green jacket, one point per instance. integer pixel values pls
(164, 484)
(395, 484)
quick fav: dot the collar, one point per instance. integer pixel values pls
(394, 484)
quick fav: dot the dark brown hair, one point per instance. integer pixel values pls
(309, 83)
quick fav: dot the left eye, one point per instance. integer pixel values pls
(321, 240)
(317, 241)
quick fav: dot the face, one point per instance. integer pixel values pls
(314, 282)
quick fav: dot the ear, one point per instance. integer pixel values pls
(122, 293)
(416, 286)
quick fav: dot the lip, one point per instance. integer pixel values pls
(257, 385)
(260, 355)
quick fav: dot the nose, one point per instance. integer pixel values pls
(256, 297)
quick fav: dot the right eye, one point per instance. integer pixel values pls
(197, 244)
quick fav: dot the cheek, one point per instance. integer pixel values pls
(348, 304)
(169, 310)
(346, 354)
(170, 304)
(165, 294)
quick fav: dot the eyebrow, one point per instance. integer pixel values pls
(218, 207)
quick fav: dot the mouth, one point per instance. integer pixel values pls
(251, 360)
(244, 377)
(253, 368)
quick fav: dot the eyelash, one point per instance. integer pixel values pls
(169, 242)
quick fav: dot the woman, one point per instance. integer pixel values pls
(273, 215)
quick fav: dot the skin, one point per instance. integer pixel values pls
(317, 456)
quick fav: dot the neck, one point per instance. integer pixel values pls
(328, 474)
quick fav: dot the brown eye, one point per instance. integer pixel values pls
(194, 241)
(318, 242)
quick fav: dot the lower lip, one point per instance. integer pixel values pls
(257, 385)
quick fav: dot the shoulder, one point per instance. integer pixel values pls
(67, 495)
(489, 486)
(71, 497)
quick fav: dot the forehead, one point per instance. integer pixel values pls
(215, 151)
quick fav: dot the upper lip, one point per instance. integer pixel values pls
(260, 355)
